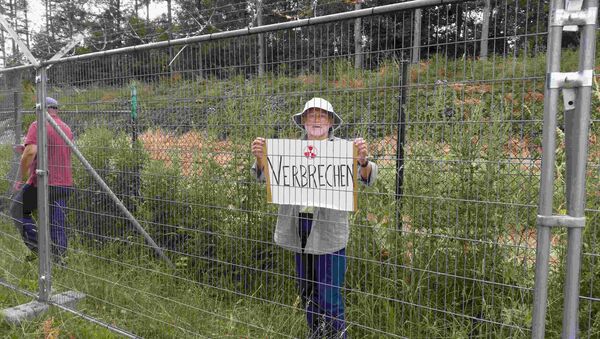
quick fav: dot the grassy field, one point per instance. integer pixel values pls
(454, 259)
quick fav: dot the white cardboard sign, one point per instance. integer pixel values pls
(317, 173)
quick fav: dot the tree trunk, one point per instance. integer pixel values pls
(169, 31)
(261, 44)
(25, 5)
(416, 50)
(485, 30)
(47, 15)
(3, 45)
(358, 53)
(12, 12)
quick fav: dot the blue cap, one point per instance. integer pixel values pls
(51, 102)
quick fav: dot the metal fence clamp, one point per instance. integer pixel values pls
(560, 221)
(41, 172)
(570, 19)
(573, 16)
(568, 82)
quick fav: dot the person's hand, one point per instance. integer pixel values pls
(258, 146)
(363, 150)
(19, 148)
(18, 185)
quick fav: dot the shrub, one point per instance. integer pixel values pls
(118, 161)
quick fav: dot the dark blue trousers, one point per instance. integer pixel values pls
(25, 203)
(320, 279)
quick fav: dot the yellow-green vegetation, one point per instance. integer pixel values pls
(452, 257)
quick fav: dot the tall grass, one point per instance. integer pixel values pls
(452, 257)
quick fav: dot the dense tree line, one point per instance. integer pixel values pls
(453, 30)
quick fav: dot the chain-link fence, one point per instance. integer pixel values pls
(443, 244)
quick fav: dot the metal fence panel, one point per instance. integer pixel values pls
(18, 269)
(442, 246)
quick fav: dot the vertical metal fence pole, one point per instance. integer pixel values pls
(358, 53)
(45, 281)
(134, 111)
(546, 181)
(577, 123)
(400, 142)
(261, 42)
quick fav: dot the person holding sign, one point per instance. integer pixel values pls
(317, 235)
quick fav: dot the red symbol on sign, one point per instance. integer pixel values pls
(310, 151)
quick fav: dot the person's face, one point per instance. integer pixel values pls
(52, 110)
(317, 123)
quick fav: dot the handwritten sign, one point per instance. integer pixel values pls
(317, 173)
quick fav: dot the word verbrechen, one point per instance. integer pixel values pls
(311, 176)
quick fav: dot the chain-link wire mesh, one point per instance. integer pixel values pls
(442, 246)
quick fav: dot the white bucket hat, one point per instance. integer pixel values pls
(51, 102)
(318, 103)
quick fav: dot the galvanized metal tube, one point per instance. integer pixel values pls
(110, 193)
(20, 43)
(577, 125)
(551, 95)
(95, 321)
(43, 224)
(17, 289)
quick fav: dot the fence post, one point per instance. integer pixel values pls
(261, 42)
(416, 36)
(45, 269)
(577, 124)
(542, 260)
(576, 88)
(358, 53)
(485, 30)
(400, 140)
(134, 111)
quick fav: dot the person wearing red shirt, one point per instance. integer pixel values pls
(60, 181)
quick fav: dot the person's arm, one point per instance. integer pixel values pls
(370, 178)
(367, 169)
(27, 157)
(258, 150)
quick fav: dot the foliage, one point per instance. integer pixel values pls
(118, 162)
(452, 256)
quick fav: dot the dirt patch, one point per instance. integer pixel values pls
(349, 83)
(308, 79)
(188, 147)
(415, 71)
(519, 152)
(467, 102)
(534, 97)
